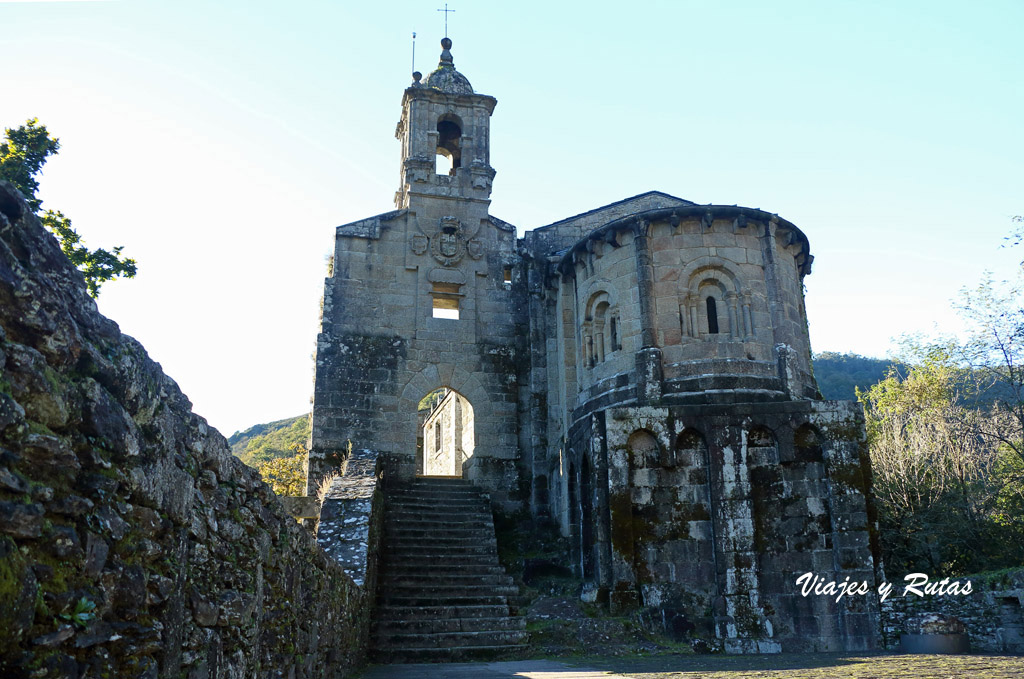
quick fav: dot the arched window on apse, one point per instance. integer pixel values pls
(600, 329)
(714, 307)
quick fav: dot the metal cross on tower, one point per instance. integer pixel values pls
(446, 10)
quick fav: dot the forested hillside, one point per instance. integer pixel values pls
(263, 442)
(840, 375)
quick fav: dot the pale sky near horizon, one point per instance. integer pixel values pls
(221, 143)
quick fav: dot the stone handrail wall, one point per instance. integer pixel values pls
(351, 516)
(132, 543)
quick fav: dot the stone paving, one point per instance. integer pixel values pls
(784, 666)
(516, 669)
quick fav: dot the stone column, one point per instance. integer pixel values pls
(748, 326)
(734, 328)
(691, 302)
(645, 284)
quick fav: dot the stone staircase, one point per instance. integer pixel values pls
(441, 593)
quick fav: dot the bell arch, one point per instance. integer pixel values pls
(449, 143)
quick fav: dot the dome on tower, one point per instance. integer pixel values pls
(446, 78)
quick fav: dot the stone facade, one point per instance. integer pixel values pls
(639, 374)
(132, 542)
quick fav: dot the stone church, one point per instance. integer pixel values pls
(638, 374)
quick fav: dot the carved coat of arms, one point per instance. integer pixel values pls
(450, 242)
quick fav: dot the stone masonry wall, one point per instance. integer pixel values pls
(132, 543)
(381, 350)
(992, 612)
(713, 512)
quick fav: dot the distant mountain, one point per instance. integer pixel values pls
(839, 375)
(262, 442)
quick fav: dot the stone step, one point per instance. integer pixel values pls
(456, 639)
(399, 535)
(441, 593)
(436, 524)
(438, 485)
(413, 568)
(433, 581)
(434, 625)
(433, 655)
(439, 481)
(439, 519)
(428, 492)
(467, 488)
(420, 600)
(430, 544)
(430, 501)
(411, 550)
(418, 560)
(446, 591)
(391, 612)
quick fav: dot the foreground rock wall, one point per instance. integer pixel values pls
(132, 543)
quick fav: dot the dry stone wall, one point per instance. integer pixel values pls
(132, 543)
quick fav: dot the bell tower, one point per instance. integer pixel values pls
(445, 135)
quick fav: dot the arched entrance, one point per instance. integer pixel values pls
(445, 437)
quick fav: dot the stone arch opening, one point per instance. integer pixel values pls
(644, 450)
(644, 465)
(447, 433)
(691, 450)
(760, 437)
(449, 144)
(807, 444)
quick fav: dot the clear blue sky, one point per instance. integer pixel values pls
(221, 142)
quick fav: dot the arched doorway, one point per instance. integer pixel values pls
(446, 436)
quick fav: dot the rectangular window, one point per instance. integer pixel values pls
(446, 300)
(508, 278)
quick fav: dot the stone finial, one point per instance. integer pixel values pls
(445, 77)
(416, 76)
(446, 55)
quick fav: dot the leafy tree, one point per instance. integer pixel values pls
(22, 156)
(947, 440)
(944, 494)
(994, 350)
(286, 475)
